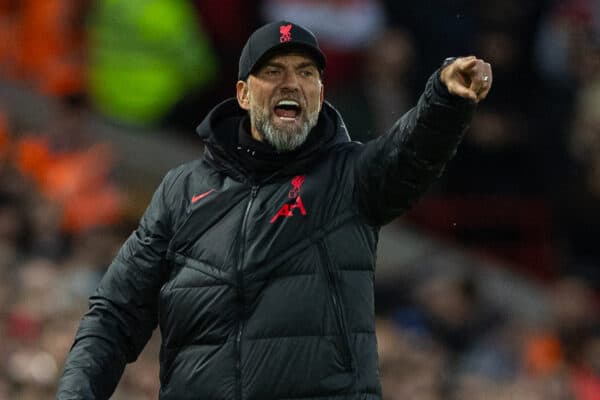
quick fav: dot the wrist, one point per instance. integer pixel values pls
(444, 69)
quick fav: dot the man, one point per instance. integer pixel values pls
(257, 260)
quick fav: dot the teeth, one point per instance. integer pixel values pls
(288, 103)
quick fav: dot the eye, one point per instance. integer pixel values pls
(272, 71)
(307, 73)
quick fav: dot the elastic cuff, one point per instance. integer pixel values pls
(441, 90)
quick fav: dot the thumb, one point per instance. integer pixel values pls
(460, 90)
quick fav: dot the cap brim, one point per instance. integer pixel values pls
(284, 48)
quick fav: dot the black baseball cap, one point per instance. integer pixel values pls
(273, 37)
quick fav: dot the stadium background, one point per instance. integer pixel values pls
(487, 289)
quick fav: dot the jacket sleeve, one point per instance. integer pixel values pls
(395, 169)
(123, 310)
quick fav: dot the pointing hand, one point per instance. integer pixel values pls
(468, 77)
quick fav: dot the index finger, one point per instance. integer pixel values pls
(466, 63)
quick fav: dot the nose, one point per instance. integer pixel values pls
(290, 80)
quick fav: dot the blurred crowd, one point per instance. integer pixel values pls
(524, 188)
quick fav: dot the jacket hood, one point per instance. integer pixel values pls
(220, 133)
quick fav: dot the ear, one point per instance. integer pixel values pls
(241, 88)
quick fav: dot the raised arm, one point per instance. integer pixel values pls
(398, 167)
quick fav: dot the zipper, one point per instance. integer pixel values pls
(337, 304)
(240, 290)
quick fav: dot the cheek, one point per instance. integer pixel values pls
(315, 98)
(258, 102)
(259, 96)
(314, 102)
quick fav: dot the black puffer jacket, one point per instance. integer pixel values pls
(262, 284)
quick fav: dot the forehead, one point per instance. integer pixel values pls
(289, 57)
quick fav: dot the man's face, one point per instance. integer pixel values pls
(283, 98)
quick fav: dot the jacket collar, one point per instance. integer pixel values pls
(242, 159)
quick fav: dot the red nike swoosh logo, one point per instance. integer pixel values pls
(201, 195)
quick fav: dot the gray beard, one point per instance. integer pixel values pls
(283, 140)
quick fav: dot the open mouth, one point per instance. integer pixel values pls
(288, 110)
